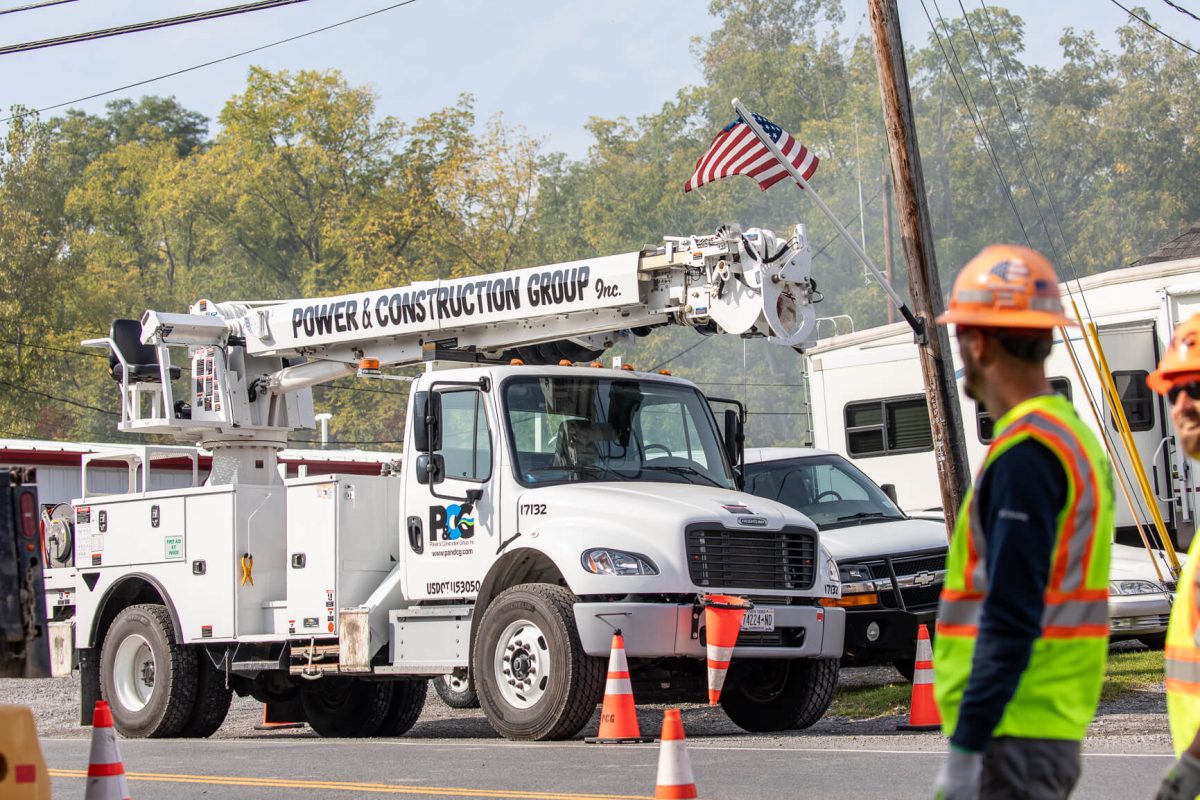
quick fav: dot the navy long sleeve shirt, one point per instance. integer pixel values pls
(1019, 500)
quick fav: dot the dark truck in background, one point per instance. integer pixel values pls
(24, 649)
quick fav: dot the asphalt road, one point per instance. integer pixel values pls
(725, 768)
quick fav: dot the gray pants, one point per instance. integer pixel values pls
(1029, 769)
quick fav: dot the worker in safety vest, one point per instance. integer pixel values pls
(1178, 377)
(1022, 631)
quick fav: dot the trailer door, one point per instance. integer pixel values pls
(1131, 351)
(1181, 302)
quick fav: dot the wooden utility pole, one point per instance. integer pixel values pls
(937, 366)
(887, 237)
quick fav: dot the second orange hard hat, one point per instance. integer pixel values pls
(1006, 286)
(1182, 358)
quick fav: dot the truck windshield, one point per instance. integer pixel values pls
(574, 428)
(828, 489)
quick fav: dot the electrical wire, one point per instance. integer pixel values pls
(151, 25)
(213, 62)
(18, 387)
(1182, 10)
(1154, 27)
(33, 6)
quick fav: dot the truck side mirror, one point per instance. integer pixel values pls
(735, 437)
(890, 490)
(427, 422)
(431, 469)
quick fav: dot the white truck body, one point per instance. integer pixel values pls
(538, 509)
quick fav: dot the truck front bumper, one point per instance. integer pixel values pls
(658, 630)
(893, 637)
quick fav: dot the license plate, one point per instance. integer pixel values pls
(759, 619)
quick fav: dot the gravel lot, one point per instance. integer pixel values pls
(1134, 722)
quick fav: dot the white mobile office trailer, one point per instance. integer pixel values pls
(868, 400)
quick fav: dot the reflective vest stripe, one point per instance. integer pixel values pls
(951, 629)
(1176, 686)
(1075, 632)
(1059, 614)
(1186, 671)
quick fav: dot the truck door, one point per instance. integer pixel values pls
(1131, 350)
(1181, 302)
(449, 542)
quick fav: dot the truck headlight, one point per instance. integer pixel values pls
(834, 572)
(858, 588)
(1135, 587)
(603, 561)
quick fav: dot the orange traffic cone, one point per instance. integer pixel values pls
(618, 715)
(271, 722)
(675, 781)
(923, 712)
(106, 773)
(722, 620)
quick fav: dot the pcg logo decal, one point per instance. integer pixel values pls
(448, 524)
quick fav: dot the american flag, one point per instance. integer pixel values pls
(737, 151)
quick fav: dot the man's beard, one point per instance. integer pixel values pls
(971, 377)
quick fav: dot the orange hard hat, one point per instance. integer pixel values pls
(1182, 359)
(1006, 286)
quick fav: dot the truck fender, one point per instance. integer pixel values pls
(136, 587)
(518, 565)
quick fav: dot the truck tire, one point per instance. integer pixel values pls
(212, 700)
(455, 691)
(906, 667)
(771, 695)
(528, 636)
(346, 708)
(148, 679)
(408, 700)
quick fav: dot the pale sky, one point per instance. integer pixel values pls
(547, 65)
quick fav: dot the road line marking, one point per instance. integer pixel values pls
(350, 786)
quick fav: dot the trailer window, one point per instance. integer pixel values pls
(466, 442)
(1136, 399)
(985, 424)
(887, 426)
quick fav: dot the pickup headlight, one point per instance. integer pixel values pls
(1135, 587)
(603, 561)
(858, 588)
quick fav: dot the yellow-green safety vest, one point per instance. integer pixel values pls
(1183, 656)
(1060, 688)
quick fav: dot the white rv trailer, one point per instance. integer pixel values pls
(868, 400)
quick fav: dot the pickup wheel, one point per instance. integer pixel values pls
(533, 678)
(340, 707)
(906, 667)
(212, 699)
(148, 679)
(778, 695)
(408, 700)
(455, 691)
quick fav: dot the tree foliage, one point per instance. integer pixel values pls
(303, 189)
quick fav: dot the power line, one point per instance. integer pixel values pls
(138, 27)
(18, 387)
(1181, 10)
(1154, 27)
(32, 6)
(166, 75)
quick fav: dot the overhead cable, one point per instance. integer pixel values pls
(138, 27)
(1182, 10)
(32, 6)
(1154, 27)
(230, 57)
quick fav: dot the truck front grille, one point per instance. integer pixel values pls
(782, 560)
(919, 578)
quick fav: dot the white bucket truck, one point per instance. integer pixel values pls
(540, 506)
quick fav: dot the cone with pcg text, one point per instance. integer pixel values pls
(675, 781)
(923, 711)
(618, 715)
(722, 621)
(106, 772)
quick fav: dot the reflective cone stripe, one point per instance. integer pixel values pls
(618, 715)
(675, 781)
(722, 621)
(106, 772)
(923, 712)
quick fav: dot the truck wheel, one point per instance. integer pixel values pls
(533, 678)
(455, 691)
(777, 695)
(147, 678)
(906, 667)
(212, 699)
(408, 700)
(350, 708)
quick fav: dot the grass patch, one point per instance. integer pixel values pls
(1128, 671)
(1131, 671)
(867, 702)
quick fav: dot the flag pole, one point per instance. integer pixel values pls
(917, 325)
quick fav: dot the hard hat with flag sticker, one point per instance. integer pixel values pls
(1182, 359)
(1006, 286)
